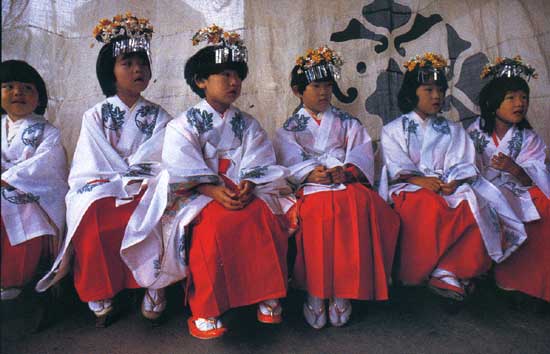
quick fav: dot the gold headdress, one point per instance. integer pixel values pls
(508, 67)
(231, 46)
(430, 66)
(127, 32)
(320, 63)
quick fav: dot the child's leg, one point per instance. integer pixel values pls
(99, 272)
(528, 268)
(236, 258)
(19, 262)
(345, 244)
(430, 230)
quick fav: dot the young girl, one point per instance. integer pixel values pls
(512, 156)
(449, 231)
(34, 177)
(223, 178)
(116, 158)
(347, 233)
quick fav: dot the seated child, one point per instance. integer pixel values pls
(346, 234)
(512, 156)
(117, 155)
(224, 197)
(448, 233)
(34, 177)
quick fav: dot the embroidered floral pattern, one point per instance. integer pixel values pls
(296, 123)
(156, 267)
(343, 115)
(200, 120)
(514, 145)
(140, 169)
(480, 141)
(409, 126)
(441, 125)
(238, 125)
(31, 135)
(88, 187)
(146, 119)
(113, 117)
(254, 172)
(14, 196)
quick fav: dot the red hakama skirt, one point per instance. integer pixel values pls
(528, 268)
(19, 262)
(236, 258)
(434, 235)
(99, 271)
(345, 244)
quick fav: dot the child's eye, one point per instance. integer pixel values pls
(28, 87)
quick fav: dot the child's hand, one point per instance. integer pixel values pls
(504, 163)
(431, 183)
(245, 192)
(337, 174)
(5, 184)
(319, 175)
(449, 188)
(222, 195)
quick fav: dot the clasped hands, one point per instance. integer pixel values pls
(323, 175)
(434, 184)
(230, 199)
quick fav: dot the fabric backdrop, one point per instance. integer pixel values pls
(374, 37)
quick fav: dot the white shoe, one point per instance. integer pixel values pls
(101, 307)
(339, 311)
(10, 293)
(153, 304)
(314, 312)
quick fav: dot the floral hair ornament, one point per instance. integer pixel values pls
(320, 63)
(508, 67)
(127, 32)
(431, 66)
(231, 46)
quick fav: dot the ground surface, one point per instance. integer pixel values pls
(414, 321)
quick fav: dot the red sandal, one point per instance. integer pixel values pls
(209, 334)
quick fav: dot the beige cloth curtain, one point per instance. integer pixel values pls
(375, 38)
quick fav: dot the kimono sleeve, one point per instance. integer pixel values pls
(394, 155)
(359, 149)
(460, 156)
(531, 159)
(292, 155)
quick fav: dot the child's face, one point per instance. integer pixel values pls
(222, 89)
(19, 99)
(132, 74)
(316, 96)
(513, 107)
(430, 99)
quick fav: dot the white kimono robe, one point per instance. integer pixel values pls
(528, 150)
(117, 145)
(339, 139)
(194, 143)
(34, 164)
(440, 148)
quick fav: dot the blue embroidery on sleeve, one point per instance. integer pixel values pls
(14, 196)
(31, 135)
(514, 145)
(296, 123)
(113, 117)
(480, 140)
(238, 125)
(441, 125)
(200, 120)
(254, 172)
(146, 119)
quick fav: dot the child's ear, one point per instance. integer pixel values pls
(296, 92)
(200, 82)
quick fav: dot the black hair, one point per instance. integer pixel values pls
(202, 64)
(105, 66)
(18, 70)
(491, 97)
(300, 80)
(407, 98)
